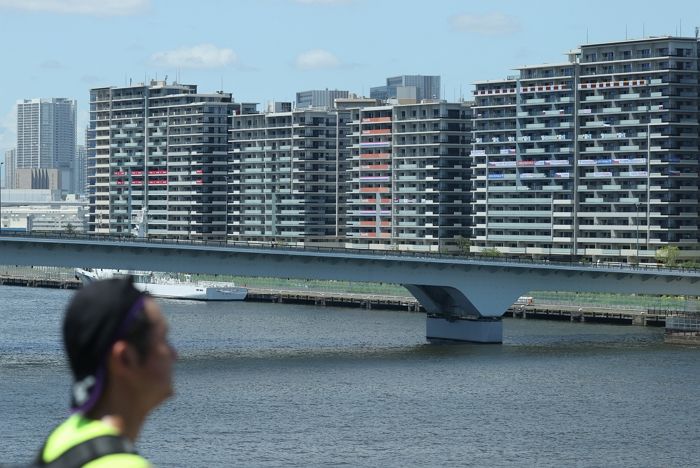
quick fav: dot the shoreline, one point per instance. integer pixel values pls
(572, 313)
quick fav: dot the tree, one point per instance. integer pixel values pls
(492, 252)
(463, 245)
(668, 255)
(70, 229)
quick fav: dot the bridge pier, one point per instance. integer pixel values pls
(465, 314)
(474, 330)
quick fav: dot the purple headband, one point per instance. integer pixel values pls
(87, 391)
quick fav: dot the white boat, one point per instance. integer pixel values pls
(164, 286)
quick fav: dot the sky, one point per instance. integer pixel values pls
(262, 50)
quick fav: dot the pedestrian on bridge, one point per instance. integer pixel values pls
(116, 340)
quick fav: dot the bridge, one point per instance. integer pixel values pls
(465, 297)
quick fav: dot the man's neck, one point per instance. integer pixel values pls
(120, 414)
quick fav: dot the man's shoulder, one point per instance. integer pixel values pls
(71, 432)
(81, 433)
(121, 460)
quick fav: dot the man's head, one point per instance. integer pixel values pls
(114, 333)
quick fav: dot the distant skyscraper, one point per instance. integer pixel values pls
(319, 98)
(80, 170)
(9, 169)
(46, 136)
(416, 87)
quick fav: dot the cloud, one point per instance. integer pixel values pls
(316, 59)
(79, 7)
(490, 24)
(51, 64)
(199, 56)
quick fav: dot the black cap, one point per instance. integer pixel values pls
(97, 316)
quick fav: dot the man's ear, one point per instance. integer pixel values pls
(123, 357)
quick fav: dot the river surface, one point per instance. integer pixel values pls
(289, 385)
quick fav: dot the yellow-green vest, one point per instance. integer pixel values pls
(77, 429)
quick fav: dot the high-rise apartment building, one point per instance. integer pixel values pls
(46, 136)
(80, 170)
(286, 176)
(324, 98)
(10, 169)
(279, 106)
(408, 87)
(409, 176)
(596, 157)
(157, 154)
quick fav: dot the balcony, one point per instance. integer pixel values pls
(520, 237)
(519, 225)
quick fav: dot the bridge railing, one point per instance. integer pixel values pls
(369, 252)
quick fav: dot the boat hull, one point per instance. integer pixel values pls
(186, 291)
(193, 292)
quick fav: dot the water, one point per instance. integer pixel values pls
(286, 385)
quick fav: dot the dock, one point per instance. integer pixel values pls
(683, 329)
(39, 282)
(591, 314)
(334, 299)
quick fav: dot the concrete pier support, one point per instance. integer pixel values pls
(474, 330)
(455, 314)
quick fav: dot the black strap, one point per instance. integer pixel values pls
(90, 450)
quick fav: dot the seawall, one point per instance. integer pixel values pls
(572, 313)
